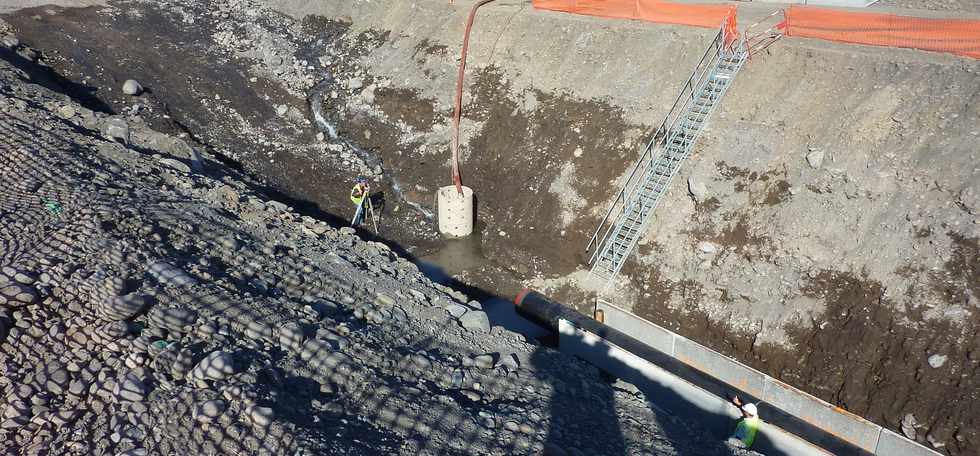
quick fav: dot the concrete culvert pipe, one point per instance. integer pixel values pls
(455, 211)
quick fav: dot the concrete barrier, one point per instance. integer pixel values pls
(675, 395)
(798, 409)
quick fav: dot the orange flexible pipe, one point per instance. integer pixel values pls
(459, 96)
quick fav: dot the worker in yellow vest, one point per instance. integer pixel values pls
(747, 427)
(361, 191)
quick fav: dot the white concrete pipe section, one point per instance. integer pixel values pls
(455, 211)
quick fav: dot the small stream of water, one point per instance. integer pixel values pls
(318, 108)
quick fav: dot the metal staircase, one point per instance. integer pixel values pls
(630, 214)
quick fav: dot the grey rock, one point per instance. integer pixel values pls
(133, 452)
(291, 335)
(278, 206)
(53, 377)
(116, 129)
(14, 294)
(114, 330)
(183, 364)
(131, 87)
(485, 361)
(259, 330)
(66, 112)
(18, 275)
(218, 365)
(384, 300)
(129, 388)
(320, 356)
(124, 307)
(699, 191)
(456, 310)
(62, 417)
(707, 247)
(173, 319)
(169, 275)
(815, 157)
(399, 315)
(176, 164)
(367, 95)
(937, 361)
(10, 42)
(230, 243)
(475, 319)
(355, 83)
(909, 423)
(78, 387)
(14, 423)
(509, 362)
(207, 411)
(969, 199)
(260, 416)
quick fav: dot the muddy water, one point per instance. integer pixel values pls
(456, 257)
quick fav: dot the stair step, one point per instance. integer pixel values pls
(676, 146)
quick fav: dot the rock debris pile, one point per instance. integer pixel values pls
(155, 303)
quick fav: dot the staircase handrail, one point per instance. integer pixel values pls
(661, 136)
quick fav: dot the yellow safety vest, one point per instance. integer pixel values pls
(356, 195)
(746, 430)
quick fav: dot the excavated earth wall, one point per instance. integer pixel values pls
(825, 230)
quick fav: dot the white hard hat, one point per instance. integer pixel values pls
(750, 410)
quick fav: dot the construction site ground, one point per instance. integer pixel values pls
(834, 245)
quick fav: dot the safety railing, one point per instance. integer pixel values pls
(714, 53)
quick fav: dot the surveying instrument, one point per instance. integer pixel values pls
(365, 208)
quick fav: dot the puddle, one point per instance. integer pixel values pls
(456, 256)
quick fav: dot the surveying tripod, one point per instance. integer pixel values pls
(367, 207)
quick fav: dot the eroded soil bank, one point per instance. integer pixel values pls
(834, 245)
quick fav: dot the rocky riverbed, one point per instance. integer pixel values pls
(154, 301)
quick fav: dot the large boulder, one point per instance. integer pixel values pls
(217, 365)
(475, 319)
(172, 318)
(129, 388)
(124, 307)
(132, 87)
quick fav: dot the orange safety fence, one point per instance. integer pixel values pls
(698, 15)
(955, 36)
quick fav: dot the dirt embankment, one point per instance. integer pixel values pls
(835, 246)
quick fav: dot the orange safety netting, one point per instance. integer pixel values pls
(646, 10)
(955, 36)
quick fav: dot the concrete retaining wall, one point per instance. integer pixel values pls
(675, 395)
(798, 405)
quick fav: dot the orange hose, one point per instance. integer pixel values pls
(457, 180)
